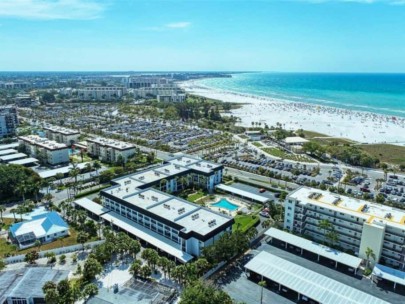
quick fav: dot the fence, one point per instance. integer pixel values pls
(62, 250)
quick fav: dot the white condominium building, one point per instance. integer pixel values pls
(101, 93)
(110, 150)
(358, 223)
(8, 120)
(62, 135)
(44, 149)
(137, 82)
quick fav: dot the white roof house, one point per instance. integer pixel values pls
(295, 140)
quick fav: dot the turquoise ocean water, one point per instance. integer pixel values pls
(377, 93)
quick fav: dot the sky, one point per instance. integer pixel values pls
(203, 35)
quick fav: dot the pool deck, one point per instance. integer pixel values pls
(234, 201)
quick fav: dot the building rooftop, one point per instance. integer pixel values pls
(116, 144)
(307, 282)
(27, 282)
(7, 152)
(314, 247)
(9, 146)
(39, 225)
(12, 156)
(63, 170)
(43, 142)
(295, 140)
(25, 161)
(371, 212)
(61, 130)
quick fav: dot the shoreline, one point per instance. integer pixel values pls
(363, 127)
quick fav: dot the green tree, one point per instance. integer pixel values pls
(2, 264)
(89, 291)
(200, 293)
(82, 238)
(325, 225)
(146, 271)
(48, 97)
(135, 268)
(31, 257)
(91, 268)
(369, 254)
(262, 284)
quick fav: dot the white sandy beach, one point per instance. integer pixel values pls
(363, 127)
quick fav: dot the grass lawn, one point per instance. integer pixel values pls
(12, 249)
(280, 153)
(335, 140)
(391, 154)
(257, 144)
(195, 196)
(311, 134)
(245, 222)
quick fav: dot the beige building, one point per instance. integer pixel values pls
(62, 135)
(359, 224)
(45, 150)
(110, 150)
(101, 93)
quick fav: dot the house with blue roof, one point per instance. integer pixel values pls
(44, 227)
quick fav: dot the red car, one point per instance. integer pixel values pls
(261, 190)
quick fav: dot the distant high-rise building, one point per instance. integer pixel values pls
(8, 121)
(146, 82)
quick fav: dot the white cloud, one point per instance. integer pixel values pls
(52, 9)
(169, 26)
(176, 25)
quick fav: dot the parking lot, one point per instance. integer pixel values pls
(235, 280)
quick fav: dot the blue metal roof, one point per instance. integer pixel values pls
(51, 219)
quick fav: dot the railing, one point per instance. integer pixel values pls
(62, 250)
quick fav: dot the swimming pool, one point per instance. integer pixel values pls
(224, 203)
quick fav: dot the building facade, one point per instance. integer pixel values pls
(359, 224)
(101, 93)
(45, 228)
(8, 121)
(144, 199)
(47, 151)
(109, 150)
(137, 82)
(62, 135)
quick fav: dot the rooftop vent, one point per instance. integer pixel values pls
(154, 198)
(388, 215)
(141, 196)
(195, 216)
(364, 208)
(212, 223)
(181, 210)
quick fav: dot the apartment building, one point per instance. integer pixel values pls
(175, 97)
(110, 150)
(137, 82)
(46, 150)
(101, 93)
(359, 224)
(62, 135)
(8, 121)
(10, 85)
(140, 204)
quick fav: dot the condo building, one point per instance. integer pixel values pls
(359, 224)
(62, 135)
(137, 82)
(110, 150)
(101, 93)
(141, 205)
(49, 151)
(8, 121)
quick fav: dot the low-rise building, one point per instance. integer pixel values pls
(254, 135)
(24, 285)
(110, 150)
(101, 93)
(62, 135)
(8, 120)
(47, 151)
(45, 228)
(358, 224)
(137, 82)
(175, 97)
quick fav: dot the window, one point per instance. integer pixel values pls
(289, 208)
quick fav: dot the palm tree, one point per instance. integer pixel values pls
(262, 284)
(369, 253)
(2, 209)
(96, 166)
(21, 189)
(38, 244)
(135, 268)
(324, 225)
(14, 211)
(333, 237)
